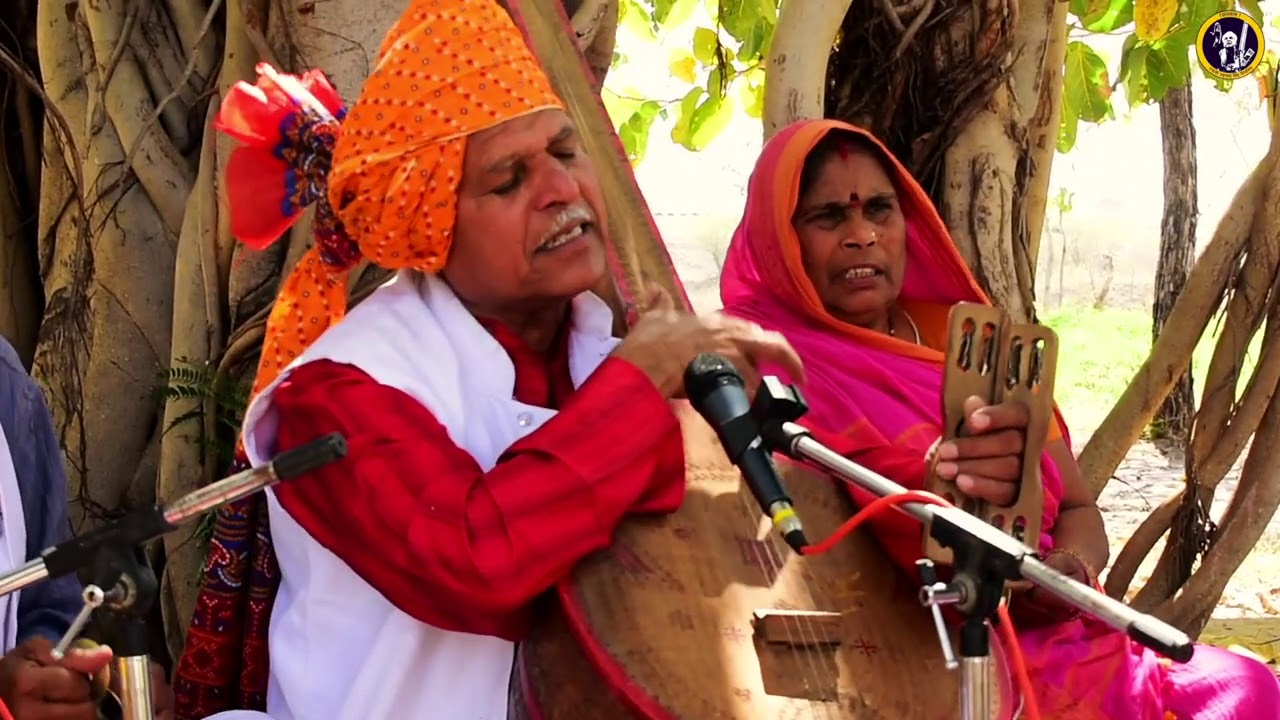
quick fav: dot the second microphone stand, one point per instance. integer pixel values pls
(985, 559)
(121, 593)
(124, 586)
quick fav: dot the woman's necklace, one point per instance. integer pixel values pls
(915, 330)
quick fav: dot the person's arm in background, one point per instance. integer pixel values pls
(45, 609)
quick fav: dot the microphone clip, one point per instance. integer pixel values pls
(775, 405)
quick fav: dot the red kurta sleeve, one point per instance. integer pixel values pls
(453, 546)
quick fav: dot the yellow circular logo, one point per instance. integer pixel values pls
(1230, 45)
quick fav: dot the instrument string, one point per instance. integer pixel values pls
(1021, 675)
(774, 553)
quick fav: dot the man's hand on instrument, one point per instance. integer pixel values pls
(987, 462)
(665, 340)
(35, 686)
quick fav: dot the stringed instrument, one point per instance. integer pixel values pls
(997, 360)
(704, 613)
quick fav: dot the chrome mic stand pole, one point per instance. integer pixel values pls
(123, 584)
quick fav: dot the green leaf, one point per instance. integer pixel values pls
(1254, 9)
(634, 133)
(680, 13)
(661, 9)
(1133, 71)
(740, 17)
(756, 43)
(635, 18)
(705, 41)
(708, 121)
(1195, 12)
(1103, 16)
(683, 65)
(767, 11)
(1086, 92)
(1067, 132)
(716, 83)
(1153, 17)
(680, 131)
(1086, 85)
(751, 94)
(1168, 67)
(620, 107)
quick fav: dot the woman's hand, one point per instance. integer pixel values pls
(1037, 607)
(987, 462)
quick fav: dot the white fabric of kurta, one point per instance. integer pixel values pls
(339, 649)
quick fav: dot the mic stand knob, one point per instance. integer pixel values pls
(93, 598)
(934, 595)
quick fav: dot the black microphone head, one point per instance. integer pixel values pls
(707, 372)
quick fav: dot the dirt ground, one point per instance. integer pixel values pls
(1152, 473)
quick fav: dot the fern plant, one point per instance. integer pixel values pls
(229, 398)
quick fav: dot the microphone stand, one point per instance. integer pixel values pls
(112, 557)
(985, 559)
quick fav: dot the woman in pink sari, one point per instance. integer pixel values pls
(842, 252)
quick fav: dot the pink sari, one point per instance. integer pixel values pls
(878, 399)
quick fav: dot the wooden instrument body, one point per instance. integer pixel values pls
(661, 625)
(999, 361)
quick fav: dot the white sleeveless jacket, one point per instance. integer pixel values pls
(339, 649)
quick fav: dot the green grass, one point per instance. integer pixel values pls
(1101, 350)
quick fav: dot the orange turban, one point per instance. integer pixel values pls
(446, 70)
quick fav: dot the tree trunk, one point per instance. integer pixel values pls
(1241, 265)
(982, 146)
(139, 280)
(21, 114)
(1177, 245)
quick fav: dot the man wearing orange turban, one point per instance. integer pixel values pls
(498, 433)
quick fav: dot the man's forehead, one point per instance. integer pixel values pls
(503, 144)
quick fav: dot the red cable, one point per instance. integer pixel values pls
(1021, 676)
(4, 712)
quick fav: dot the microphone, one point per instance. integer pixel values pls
(716, 390)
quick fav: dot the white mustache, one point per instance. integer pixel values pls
(568, 219)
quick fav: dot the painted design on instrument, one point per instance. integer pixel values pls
(635, 565)
(684, 533)
(847, 593)
(734, 634)
(629, 560)
(681, 620)
(867, 649)
(762, 555)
